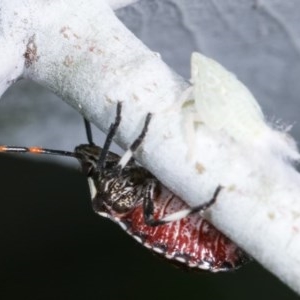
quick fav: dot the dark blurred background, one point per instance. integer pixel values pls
(52, 244)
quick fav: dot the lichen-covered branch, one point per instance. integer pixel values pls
(116, 4)
(83, 53)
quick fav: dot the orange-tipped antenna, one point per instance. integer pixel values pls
(36, 150)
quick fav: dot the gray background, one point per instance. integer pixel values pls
(53, 246)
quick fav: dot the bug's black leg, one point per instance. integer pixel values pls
(111, 133)
(149, 209)
(148, 206)
(88, 131)
(129, 153)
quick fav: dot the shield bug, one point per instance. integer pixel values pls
(129, 195)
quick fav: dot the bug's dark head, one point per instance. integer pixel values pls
(88, 156)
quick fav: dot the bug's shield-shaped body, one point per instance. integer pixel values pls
(191, 240)
(121, 197)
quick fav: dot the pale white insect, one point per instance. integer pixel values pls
(225, 104)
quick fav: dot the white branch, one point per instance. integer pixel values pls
(85, 54)
(116, 4)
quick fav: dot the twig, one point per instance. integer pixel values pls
(83, 53)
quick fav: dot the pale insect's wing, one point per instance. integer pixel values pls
(223, 102)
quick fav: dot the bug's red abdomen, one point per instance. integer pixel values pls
(191, 240)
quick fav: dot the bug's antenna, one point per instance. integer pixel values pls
(111, 133)
(36, 150)
(88, 131)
